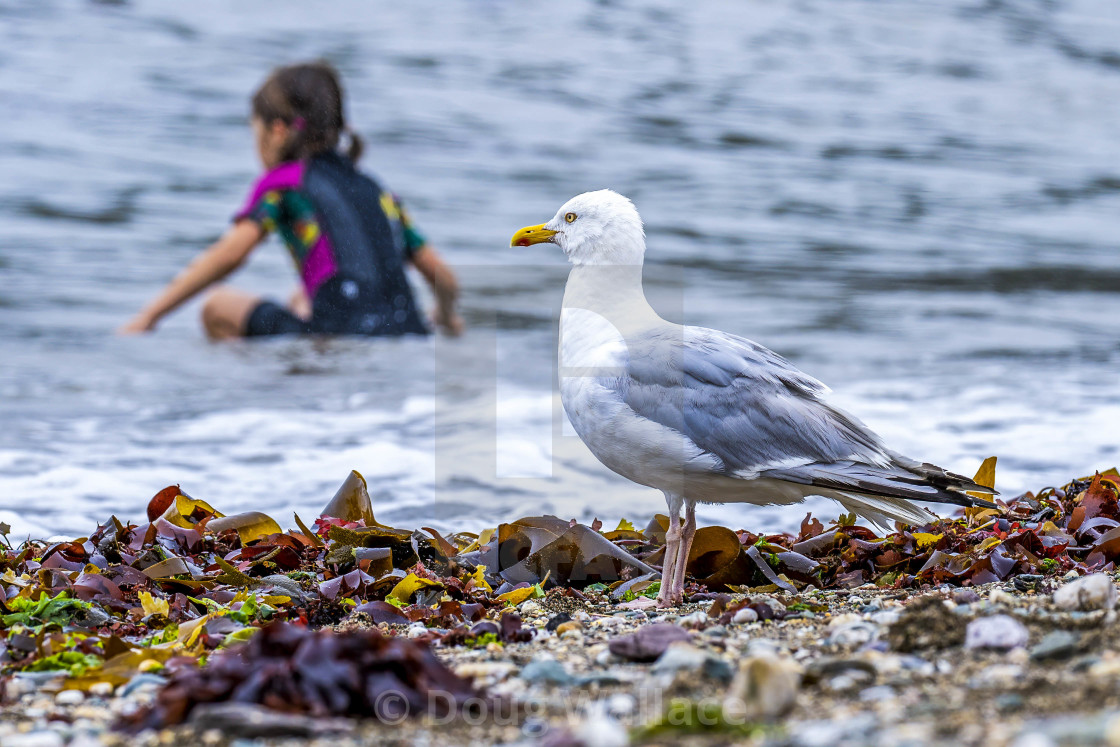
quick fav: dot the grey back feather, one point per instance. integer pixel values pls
(739, 401)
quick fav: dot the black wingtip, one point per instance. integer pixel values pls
(983, 503)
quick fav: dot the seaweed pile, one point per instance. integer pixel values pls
(170, 592)
(292, 669)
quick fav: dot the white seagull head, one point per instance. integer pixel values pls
(594, 228)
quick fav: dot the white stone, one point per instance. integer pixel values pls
(764, 688)
(101, 689)
(998, 631)
(621, 704)
(1033, 739)
(34, 739)
(600, 730)
(886, 617)
(764, 647)
(487, 672)
(605, 658)
(744, 616)
(69, 697)
(854, 633)
(843, 619)
(693, 620)
(680, 655)
(997, 596)
(1112, 732)
(1093, 592)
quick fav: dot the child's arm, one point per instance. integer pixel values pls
(220, 259)
(444, 286)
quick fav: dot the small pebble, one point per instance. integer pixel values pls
(34, 739)
(998, 631)
(557, 620)
(745, 615)
(568, 627)
(765, 687)
(684, 657)
(601, 730)
(1093, 592)
(1059, 644)
(696, 619)
(101, 689)
(999, 596)
(966, 596)
(546, 670)
(854, 633)
(69, 697)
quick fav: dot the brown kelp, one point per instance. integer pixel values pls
(174, 591)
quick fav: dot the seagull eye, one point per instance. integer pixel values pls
(570, 217)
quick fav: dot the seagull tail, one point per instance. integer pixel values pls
(886, 493)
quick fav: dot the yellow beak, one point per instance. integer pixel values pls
(532, 235)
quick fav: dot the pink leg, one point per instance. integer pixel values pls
(672, 549)
(676, 594)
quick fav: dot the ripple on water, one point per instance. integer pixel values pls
(914, 204)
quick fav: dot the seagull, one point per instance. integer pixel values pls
(703, 415)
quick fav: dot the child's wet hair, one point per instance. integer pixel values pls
(308, 98)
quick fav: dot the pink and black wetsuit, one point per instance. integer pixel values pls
(349, 240)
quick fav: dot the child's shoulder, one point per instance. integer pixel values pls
(286, 176)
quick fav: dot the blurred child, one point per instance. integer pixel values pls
(349, 238)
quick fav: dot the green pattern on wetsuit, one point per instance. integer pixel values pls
(291, 213)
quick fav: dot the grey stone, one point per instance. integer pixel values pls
(1060, 644)
(249, 721)
(1007, 702)
(94, 617)
(546, 671)
(285, 586)
(681, 656)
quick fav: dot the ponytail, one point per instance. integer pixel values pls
(356, 146)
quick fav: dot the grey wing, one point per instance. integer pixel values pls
(762, 417)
